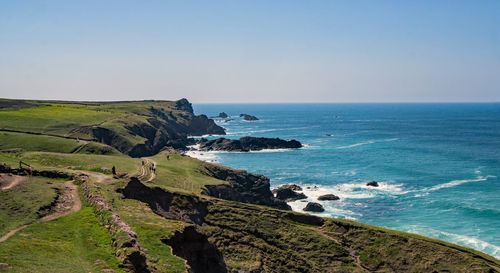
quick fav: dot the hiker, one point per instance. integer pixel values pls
(168, 157)
(143, 163)
(113, 170)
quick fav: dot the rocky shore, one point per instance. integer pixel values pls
(246, 144)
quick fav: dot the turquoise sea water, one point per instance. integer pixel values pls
(438, 164)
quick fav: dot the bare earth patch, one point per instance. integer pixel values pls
(9, 181)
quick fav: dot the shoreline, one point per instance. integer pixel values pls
(358, 190)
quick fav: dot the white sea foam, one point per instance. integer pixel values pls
(345, 191)
(366, 143)
(455, 183)
(463, 240)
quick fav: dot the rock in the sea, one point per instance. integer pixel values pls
(314, 207)
(246, 144)
(289, 195)
(222, 115)
(328, 197)
(372, 184)
(248, 117)
(294, 187)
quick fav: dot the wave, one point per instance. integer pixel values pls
(463, 240)
(366, 143)
(453, 183)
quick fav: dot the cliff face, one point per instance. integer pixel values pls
(159, 127)
(243, 187)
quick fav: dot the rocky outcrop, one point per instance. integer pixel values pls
(372, 184)
(246, 144)
(289, 195)
(184, 105)
(242, 186)
(328, 197)
(248, 117)
(161, 128)
(293, 187)
(201, 256)
(314, 207)
(222, 115)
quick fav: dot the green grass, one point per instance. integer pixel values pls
(181, 173)
(70, 162)
(44, 143)
(52, 118)
(74, 243)
(19, 205)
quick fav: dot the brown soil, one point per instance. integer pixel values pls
(9, 181)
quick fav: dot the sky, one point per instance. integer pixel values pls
(251, 51)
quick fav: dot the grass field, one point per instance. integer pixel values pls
(44, 143)
(55, 119)
(181, 173)
(19, 205)
(74, 243)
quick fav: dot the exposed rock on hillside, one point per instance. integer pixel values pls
(242, 186)
(246, 144)
(194, 247)
(248, 117)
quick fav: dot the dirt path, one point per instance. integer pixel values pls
(145, 173)
(9, 181)
(67, 202)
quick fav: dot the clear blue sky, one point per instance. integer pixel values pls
(251, 51)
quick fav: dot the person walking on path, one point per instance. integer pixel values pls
(113, 170)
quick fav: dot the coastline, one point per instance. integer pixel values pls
(359, 190)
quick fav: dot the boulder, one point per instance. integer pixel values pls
(248, 117)
(328, 197)
(288, 186)
(314, 207)
(289, 195)
(372, 184)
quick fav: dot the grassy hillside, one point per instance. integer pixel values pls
(163, 223)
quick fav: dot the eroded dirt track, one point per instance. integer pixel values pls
(9, 181)
(67, 202)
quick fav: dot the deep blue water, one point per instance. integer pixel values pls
(438, 164)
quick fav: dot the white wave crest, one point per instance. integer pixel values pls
(459, 182)
(366, 143)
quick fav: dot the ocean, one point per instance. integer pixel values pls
(438, 165)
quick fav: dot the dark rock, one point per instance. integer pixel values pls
(294, 187)
(184, 105)
(248, 117)
(246, 144)
(289, 195)
(194, 247)
(314, 207)
(328, 197)
(223, 115)
(372, 184)
(243, 187)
